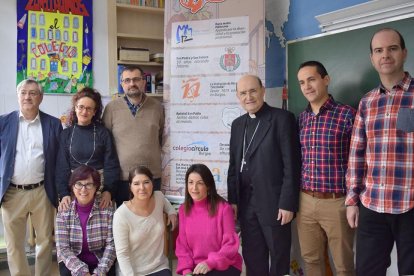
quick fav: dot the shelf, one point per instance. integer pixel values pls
(142, 63)
(156, 95)
(139, 37)
(140, 8)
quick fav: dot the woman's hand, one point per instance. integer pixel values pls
(105, 200)
(172, 219)
(201, 268)
(64, 203)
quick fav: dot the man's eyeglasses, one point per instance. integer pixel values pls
(87, 108)
(87, 186)
(31, 93)
(135, 80)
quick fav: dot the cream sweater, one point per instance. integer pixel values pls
(139, 241)
(137, 139)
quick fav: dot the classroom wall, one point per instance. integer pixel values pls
(53, 104)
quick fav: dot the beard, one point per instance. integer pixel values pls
(134, 92)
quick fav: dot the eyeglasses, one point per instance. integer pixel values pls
(87, 108)
(87, 186)
(251, 93)
(31, 93)
(136, 79)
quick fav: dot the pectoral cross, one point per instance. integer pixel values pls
(242, 164)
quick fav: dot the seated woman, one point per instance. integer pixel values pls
(139, 228)
(207, 242)
(84, 241)
(86, 141)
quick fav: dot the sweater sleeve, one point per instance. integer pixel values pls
(168, 208)
(64, 251)
(63, 170)
(185, 262)
(228, 251)
(121, 238)
(111, 163)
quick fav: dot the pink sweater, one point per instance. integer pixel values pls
(207, 239)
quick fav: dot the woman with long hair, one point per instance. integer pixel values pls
(207, 242)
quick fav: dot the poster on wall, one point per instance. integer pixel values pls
(54, 44)
(210, 46)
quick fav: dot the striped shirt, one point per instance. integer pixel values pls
(324, 140)
(381, 161)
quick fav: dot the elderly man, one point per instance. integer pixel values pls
(28, 147)
(263, 179)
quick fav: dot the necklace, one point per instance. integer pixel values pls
(243, 162)
(94, 144)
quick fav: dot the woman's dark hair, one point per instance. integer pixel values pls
(83, 172)
(213, 198)
(92, 94)
(139, 170)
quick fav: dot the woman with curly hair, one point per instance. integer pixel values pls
(86, 141)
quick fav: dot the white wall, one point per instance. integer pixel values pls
(52, 104)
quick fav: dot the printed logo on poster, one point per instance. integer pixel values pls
(200, 147)
(195, 5)
(228, 115)
(230, 61)
(183, 33)
(191, 88)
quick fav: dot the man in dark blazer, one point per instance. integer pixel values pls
(28, 147)
(263, 179)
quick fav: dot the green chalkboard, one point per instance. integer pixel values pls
(346, 58)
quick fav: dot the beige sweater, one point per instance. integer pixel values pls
(137, 139)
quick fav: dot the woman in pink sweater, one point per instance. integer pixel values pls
(207, 242)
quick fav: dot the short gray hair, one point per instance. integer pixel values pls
(29, 81)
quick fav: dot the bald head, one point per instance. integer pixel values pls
(250, 92)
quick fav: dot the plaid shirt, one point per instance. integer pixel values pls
(99, 236)
(134, 108)
(324, 140)
(381, 172)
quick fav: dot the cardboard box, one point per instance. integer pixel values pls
(133, 54)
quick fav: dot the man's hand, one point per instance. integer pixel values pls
(234, 206)
(352, 215)
(201, 268)
(284, 216)
(105, 200)
(64, 203)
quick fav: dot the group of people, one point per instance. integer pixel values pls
(334, 168)
(338, 169)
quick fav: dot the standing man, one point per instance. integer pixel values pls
(28, 147)
(263, 179)
(325, 129)
(137, 123)
(380, 200)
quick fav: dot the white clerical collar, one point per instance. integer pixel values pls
(252, 116)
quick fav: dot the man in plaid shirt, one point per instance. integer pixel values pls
(380, 175)
(325, 133)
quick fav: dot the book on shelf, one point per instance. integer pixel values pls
(145, 3)
(133, 54)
